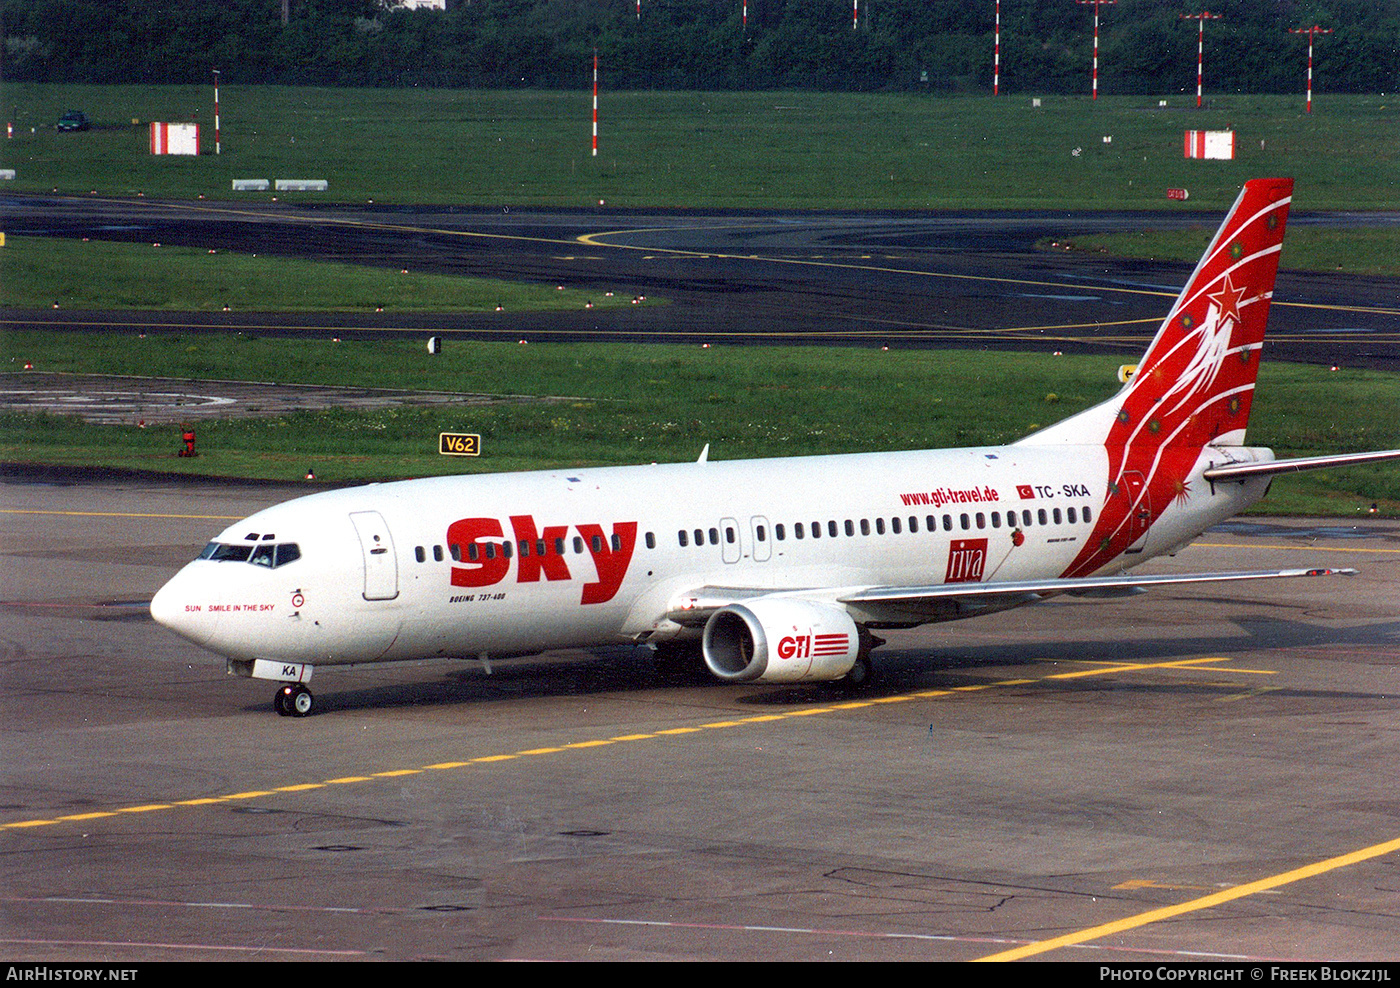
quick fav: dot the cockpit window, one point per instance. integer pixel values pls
(266, 554)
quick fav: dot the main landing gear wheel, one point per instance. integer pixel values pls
(860, 675)
(293, 700)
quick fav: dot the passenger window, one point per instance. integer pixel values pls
(797, 530)
(714, 536)
(779, 532)
(996, 519)
(1087, 517)
(759, 534)
(1040, 516)
(947, 523)
(616, 542)
(437, 553)
(419, 554)
(831, 529)
(966, 522)
(1073, 518)
(682, 538)
(729, 535)
(913, 524)
(1057, 516)
(651, 541)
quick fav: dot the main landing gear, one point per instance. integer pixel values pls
(293, 700)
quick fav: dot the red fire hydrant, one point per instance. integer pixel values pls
(187, 435)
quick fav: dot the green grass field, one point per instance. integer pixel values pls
(661, 403)
(41, 272)
(740, 150)
(664, 149)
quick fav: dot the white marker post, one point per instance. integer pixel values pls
(595, 102)
(996, 52)
(1310, 31)
(1200, 19)
(218, 145)
(1097, 4)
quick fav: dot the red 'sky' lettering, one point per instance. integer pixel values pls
(487, 562)
(552, 564)
(966, 560)
(611, 560)
(480, 571)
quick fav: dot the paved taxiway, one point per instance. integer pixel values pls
(938, 279)
(1008, 781)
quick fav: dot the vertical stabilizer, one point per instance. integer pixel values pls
(1194, 386)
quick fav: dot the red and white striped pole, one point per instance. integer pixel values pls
(996, 53)
(218, 145)
(746, 16)
(1200, 19)
(1097, 4)
(1310, 31)
(595, 102)
(855, 14)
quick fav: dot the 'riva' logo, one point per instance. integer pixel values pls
(966, 560)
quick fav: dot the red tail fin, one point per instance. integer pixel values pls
(1196, 381)
(1194, 385)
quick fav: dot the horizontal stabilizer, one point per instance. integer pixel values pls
(1243, 471)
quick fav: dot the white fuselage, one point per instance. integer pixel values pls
(453, 566)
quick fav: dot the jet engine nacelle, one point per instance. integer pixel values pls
(780, 640)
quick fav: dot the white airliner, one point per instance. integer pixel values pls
(780, 569)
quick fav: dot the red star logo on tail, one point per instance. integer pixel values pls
(1227, 301)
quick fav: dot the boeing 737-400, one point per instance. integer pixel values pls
(779, 570)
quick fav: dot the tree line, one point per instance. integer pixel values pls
(937, 45)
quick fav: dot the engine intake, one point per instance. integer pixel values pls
(780, 640)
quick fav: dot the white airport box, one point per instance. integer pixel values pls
(1219, 144)
(174, 138)
(301, 184)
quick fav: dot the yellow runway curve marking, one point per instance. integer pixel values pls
(1102, 669)
(1196, 905)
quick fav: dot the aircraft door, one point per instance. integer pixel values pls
(381, 564)
(762, 534)
(729, 545)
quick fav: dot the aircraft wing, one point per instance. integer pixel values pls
(917, 604)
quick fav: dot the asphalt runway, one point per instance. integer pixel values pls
(937, 279)
(1061, 771)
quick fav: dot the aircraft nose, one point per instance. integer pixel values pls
(170, 608)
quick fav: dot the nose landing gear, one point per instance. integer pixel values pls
(293, 700)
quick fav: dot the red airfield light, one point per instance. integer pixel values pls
(1096, 4)
(1200, 20)
(1310, 32)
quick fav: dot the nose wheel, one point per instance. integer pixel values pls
(293, 700)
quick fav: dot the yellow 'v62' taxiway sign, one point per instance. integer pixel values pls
(459, 444)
